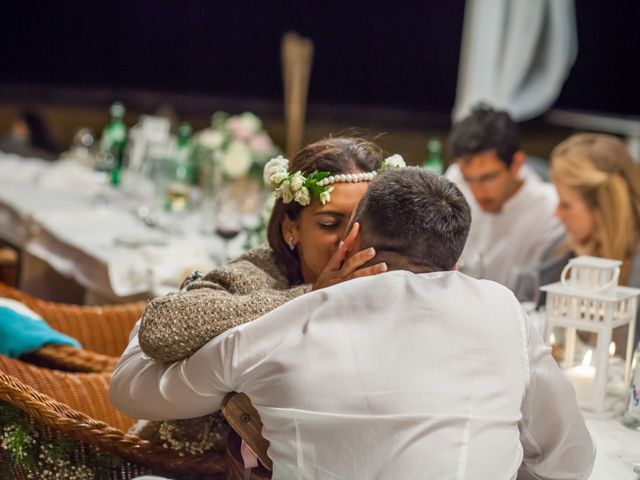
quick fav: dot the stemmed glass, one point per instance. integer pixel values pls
(228, 222)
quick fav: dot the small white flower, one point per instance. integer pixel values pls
(275, 171)
(325, 196)
(211, 139)
(237, 161)
(284, 192)
(394, 161)
(297, 181)
(302, 196)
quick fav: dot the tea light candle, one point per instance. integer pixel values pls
(582, 377)
(613, 360)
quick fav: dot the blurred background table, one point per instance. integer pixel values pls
(66, 226)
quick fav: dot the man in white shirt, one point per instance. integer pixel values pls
(512, 209)
(420, 372)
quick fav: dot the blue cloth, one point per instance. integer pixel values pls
(23, 331)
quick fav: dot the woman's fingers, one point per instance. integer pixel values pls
(372, 270)
(356, 260)
(335, 261)
(353, 234)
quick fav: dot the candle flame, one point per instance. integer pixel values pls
(586, 361)
(612, 349)
(552, 339)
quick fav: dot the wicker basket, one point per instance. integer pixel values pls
(102, 331)
(45, 411)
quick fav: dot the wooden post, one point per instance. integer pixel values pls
(297, 57)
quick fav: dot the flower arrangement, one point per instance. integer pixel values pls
(237, 143)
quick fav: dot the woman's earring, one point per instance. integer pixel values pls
(291, 244)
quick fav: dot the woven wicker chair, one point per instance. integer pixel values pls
(70, 412)
(102, 331)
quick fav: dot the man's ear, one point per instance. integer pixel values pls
(518, 161)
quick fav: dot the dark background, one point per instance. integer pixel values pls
(399, 55)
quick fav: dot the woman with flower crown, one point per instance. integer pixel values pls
(316, 192)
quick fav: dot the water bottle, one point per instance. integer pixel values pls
(112, 143)
(434, 156)
(179, 188)
(631, 417)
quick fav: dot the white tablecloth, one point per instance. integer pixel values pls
(94, 236)
(618, 450)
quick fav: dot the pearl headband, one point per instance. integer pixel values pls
(300, 188)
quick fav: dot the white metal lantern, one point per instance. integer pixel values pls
(589, 299)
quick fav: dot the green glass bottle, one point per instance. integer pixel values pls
(114, 140)
(179, 189)
(183, 165)
(433, 161)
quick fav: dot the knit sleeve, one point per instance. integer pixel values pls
(176, 325)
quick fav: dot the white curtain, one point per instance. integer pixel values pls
(516, 54)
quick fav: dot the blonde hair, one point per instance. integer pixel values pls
(600, 168)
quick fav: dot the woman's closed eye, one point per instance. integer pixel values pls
(329, 225)
(329, 222)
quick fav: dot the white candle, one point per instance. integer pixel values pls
(582, 377)
(613, 360)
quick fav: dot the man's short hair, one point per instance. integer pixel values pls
(485, 129)
(416, 214)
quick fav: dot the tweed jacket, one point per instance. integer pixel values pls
(174, 326)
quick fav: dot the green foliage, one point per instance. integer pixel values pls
(312, 183)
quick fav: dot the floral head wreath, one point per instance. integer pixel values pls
(300, 188)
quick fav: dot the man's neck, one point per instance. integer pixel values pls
(515, 187)
(395, 261)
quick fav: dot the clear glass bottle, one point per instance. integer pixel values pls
(179, 189)
(631, 417)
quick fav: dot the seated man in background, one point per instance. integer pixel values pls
(512, 209)
(420, 372)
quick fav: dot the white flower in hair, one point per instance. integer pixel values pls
(394, 161)
(275, 172)
(302, 196)
(297, 181)
(284, 191)
(325, 196)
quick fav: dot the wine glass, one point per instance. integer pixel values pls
(228, 223)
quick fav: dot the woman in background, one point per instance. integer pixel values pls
(598, 185)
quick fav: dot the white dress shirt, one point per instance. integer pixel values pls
(394, 376)
(503, 244)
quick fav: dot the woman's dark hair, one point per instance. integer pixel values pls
(335, 155)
